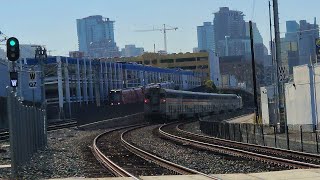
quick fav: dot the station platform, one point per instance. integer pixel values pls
(308, 174)
(243, 119)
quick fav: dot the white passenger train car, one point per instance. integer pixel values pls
(160, 104)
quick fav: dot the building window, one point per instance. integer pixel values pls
(203, 59)
(203, 67)
(185, 59)
(166, 61)
(154, 61)
(189, 67)
(146, 62)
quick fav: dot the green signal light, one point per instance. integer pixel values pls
(12, 43)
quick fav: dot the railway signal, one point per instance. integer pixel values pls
(14, 79)
(13, 51)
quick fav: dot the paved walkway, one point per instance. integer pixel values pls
(244, 119)
(305, 174)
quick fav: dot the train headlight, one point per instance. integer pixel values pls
(118, 103)
(111, 103)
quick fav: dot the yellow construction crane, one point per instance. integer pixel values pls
(164, 30)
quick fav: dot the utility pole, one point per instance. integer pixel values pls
(281, 97)
(254, 75)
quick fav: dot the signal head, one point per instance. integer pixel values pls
(13, 51)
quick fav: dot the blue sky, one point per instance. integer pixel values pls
(53, 22)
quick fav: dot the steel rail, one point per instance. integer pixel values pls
(255, 147)
(160, 161)
(105, 161)
(236, 152)
(5, 134)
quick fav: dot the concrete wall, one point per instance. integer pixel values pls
(214, 66)
(264, 105)
(317, 92)
(299, 94)
(268, 106)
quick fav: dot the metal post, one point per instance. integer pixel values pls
(301, 138)
(11, 131)
(240, 134)
(288, 141)
(18, 130)
(275, 135)
(254, 133)
(228, 126)
(262, 133)
(247, 133)
(317, 140)
(234, 132)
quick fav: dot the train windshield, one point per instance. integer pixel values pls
(115, 96)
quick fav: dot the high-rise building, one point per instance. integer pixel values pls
(233, 47)
(257, 38)
(228, 23)
(131, 51)
(96, 36)
(289, 55)
(206, 37)
(306, 37)
(292, 31)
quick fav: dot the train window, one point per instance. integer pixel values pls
(188, 96)
(172, 96)
(162, 95)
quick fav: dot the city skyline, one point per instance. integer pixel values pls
(54, 24)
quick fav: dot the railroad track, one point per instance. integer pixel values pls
(122, 172)
(266, 150)
(244, 150)
(4, 135)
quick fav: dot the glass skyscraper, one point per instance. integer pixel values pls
(95, 30)
(206, 37)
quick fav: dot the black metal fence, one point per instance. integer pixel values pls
(303, 138)
(27, 128)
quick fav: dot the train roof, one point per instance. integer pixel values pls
(199, 93)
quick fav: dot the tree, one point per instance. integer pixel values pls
(210, 87)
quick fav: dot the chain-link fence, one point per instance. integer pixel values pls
(27, 128)
(299, 138)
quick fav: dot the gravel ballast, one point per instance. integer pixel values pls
(68, 155)
(202, 161)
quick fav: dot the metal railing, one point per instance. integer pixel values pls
(303, 138)
(28, 130)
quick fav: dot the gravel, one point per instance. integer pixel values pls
(67, 155)
(110, 145)
(203, 161)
